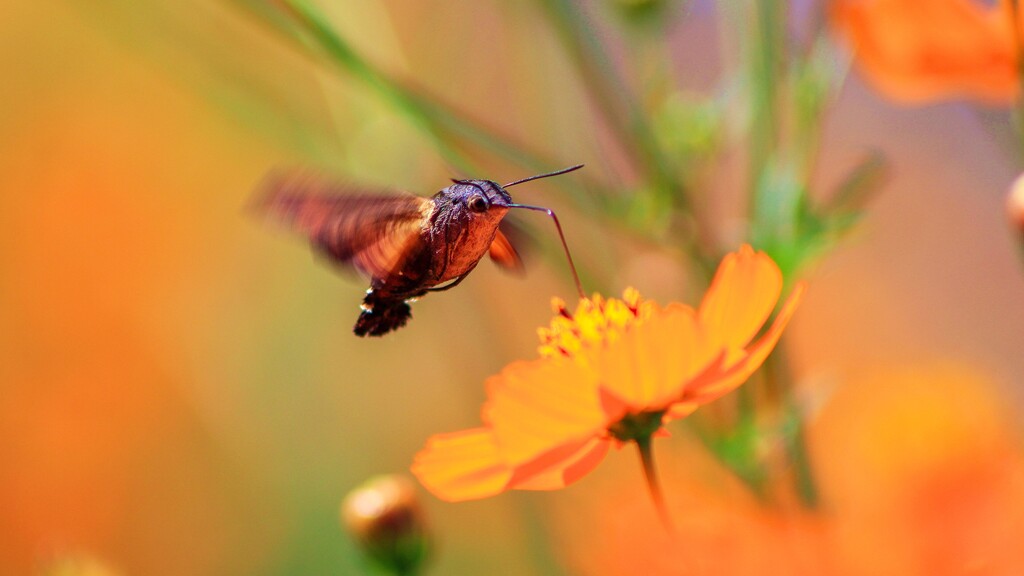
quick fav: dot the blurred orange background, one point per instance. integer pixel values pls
(180, 392)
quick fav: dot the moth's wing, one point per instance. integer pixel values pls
(372, 232)
(395, 240)
(504, 253)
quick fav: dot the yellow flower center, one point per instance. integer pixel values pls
(597, 321)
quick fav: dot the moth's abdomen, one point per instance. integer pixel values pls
(381, 315)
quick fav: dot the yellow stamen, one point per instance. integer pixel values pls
(597, 321)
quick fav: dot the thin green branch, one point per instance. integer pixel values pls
(778, 377)
(437, 118)
(617, 105)
(765, 55)
(429, 118)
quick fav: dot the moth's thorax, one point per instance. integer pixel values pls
(460, 236)
(472, 244)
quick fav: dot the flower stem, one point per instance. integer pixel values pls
(613, 98)
(643, 445)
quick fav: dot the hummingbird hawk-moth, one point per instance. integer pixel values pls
(407, 245)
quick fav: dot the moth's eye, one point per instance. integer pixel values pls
(477, 204)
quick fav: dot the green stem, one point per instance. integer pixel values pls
(779, 382)
(617, 105)
(806, 488)
(599, 77)
(540, 545)
(643, 445)
(765, 55)
(435, 117)
(619, 108)
(431, 118)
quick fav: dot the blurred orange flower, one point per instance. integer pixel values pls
(922, 50)
(932, 472)
(920, 471)
(721, 528)
(613, 372)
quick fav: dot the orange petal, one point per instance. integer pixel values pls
(680, 410)
(568, 470)
(649, 366)
(744, 292)
(536, 407)
(917, 51)
(731, 373)
(462, 466)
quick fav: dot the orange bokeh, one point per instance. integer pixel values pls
(922, 50)
(931, 472)
(720, 528)
(86, 399)
(920, 473)
(98, 428)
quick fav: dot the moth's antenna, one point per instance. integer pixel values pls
(575, 276)
(539, 176)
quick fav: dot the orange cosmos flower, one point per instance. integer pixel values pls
(613, 372)
(921, 50)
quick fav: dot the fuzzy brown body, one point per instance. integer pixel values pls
(457, 245)
(407, 245)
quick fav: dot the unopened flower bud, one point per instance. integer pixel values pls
(385, 517)
(1015, 207)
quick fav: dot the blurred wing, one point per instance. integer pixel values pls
(373, 233)
(504, 254)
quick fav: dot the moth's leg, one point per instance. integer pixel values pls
(449, 286)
